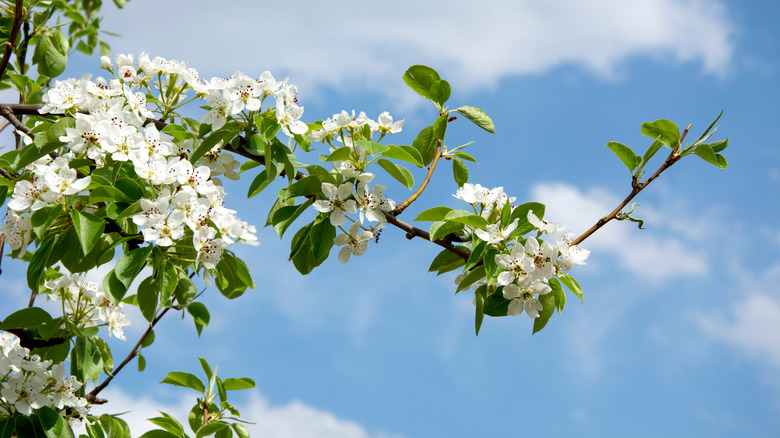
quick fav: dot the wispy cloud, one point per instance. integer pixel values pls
(751, 322)
(367, 45)
(294, 419)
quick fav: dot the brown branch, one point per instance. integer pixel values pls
(5, 124)
(11, 38)
(2, 247)
(673, 158)
(412, 232)
(92, 396)
(8, 113)
(402, 206)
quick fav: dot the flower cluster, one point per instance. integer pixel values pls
(30, 383)
(348, 198)
(186, 198)
(84, 303)
(525, 265)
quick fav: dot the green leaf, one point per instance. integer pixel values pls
(571, 284)
(401, 174)
(720, 145)
(404, 153)
(186, 380)
(706, 131)
(226, 133)
(49, 140)
(521, 214)
(25, 318)
(42, 219)
(476, 255)
(371, 147)
(141, 363)
(479, 117)
(169, 424)
(105, 354)
(433, 214)
(311, 185)
(425, 143)
(232, 276)
(200, 314)
(240, 430)
(440, 91)
(51, 54)
(88, 227)
(158, 433)
(475, 275)
(167, 278)
(626, 155)
(131, 189)
(420, 78)
(651, 151)
(38, 263)
(7, 427)
(705, 152)
(185, 290)
(284, 217)
(340, 154)
(440, 127)
(496, 305)
(464, 156)
(443, 228)
(210, 429)
(263, 178)
(548, 307)
(445, 261)
(127, 268)
(663, 130)
(148, 296)
(466, 218)
(560, 295)
(460, 172)
(722, 163)
(479, 301)
(231, 384)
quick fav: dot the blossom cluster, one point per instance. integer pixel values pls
(85, 303)
(30, 383)
(526, 265)
(187, 198)
(354, 195)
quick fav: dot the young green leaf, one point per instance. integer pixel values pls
(479, 117)
(433, 214)
(400, 173)
(89, 228)
(420, 78)
(626, 155)
(663, 130)
(186, 380)
(460, 172)
(548, 307)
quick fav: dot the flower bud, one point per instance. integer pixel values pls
(105, 62)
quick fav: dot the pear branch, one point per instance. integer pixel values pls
(670, 160)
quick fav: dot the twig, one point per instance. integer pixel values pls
(11, 38)
(5, 124)
(412, 232)
(92, 396)
(8, 113)
(2, 247)
(402, 206)
(673, 158)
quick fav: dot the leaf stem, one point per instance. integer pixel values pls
(12, 37)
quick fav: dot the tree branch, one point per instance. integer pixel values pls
(402, 206)
(673, 158)
(92, 396)
(11, 38)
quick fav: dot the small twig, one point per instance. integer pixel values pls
(402, 206)
(5, 124)
(673, 158)
(92, 396)
(412, 232)
(2, 247)
(12, 37)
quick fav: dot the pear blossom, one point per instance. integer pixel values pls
(516, 266)
(372, 205)
(524, 298)
(220, 108)
(336, 203)
(356, 242)
(386, 124)
(495, 233)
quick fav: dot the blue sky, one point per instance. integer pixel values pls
(679, 334)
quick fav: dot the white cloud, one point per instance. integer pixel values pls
(659, 255)
(352, 43)
(294, 419)
(752, 321)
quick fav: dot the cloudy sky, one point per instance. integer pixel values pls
(679, 334)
